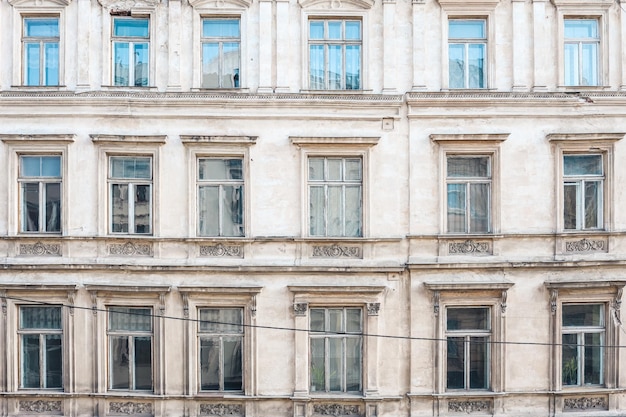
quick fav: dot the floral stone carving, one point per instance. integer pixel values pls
(468, 246)
(336, 251)
(131, 249)
(337, 410)
(585, 245)
(125, 5)
(40, 406)
(585, 403)
(130, 408)
(471, 406)
(220, 250)
(40, 249)
(221, 409)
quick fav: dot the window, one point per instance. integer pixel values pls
(220, 197)
(131, 57)
(336, 349)
(335, 54)
(40, 331)
(468, 181)
(130, 348)
(130, 187)
(40, 190)
(583, 344)
(582, 44)
(220, 332)
(41, 51)
(468, 332)
(583, 184)
(221, 46)
(467, 53)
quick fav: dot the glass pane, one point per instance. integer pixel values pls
(221, 320)
(32, 67)
(318, 374)
(230, 64)
(353, 170)
(142, 208)
(143, 363)
(209, 364)
(593, 358)
(219, 169)
(466, 29)
(316, 169)
(142, 65)
(335, 211)
(476, 65)
(40, 317)
(353, 364)
(456, 208)
(30, 166)
(54, 360)
(51, 63)
(316, 29)
(30, 216)
(53, 207)
(130, 319)
(479, 349)
(120, 362)
(334, 29)
(578, 315)
(130, 27)
(335, 320)
(456, 65)
(335, 364)
(353, 320)
(220, 28)
(210, 65)
(317, 74)
(119, 208)
(232, 219)
(335, 169)
(479, 208)
(569, 357)
(477, 167)
(570, 203)
(30, 361)
(317, 205)
(582, 165)
(571, 64)
(593, 199)
(590, 64)
(353, 30)
(353, 211)
(41, 27)
(316, 319)
(208, 211)
(581, 28)
(470, 318)
(50, 166)
(455, 363)
(232, 365)
(335, 67)
(121, 63)
(353, 67)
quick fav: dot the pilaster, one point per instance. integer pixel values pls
(266, 47)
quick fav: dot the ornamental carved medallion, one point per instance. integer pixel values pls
(127, 5)
(40, 249)
(130, 249)
(585, 403)
(220, 250)
(585, 245)
(40, 406)
(471, 406)
(337, 410)
(129, 408)
(221, 409)
(469, 247)
(336, 251)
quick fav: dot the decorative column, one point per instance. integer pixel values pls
(174, 43)
(266, 50)
(372, 349)
(300, 311)
(83, 46)
(283, 49)
(621, 48)
(541, 44)
(419, 43)
(521, 46)
(389, 47)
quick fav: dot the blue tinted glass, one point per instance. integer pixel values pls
(466, 29)
(41, 27)
(334, 29)
(316, 30)
(581, 28)
(582, 164)
(51, 56)
(130, 27)
(40, 166)
(353, 30)
(32, 67)
(220, 28)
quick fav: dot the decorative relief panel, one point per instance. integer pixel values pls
(125, 5)
(300, 309)
(469, 406)
(40, 249)
(470, 247)
(220, 250)
(221, 409)
(586, 245)
(40, 406)
(337, 410)
(337, 251)
(130, 249)
(585, 403)
(129, 408)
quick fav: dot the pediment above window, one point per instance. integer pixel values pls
(469, 4)
(337, 4)
(127, 5)
(596, 4)
(220, 4)
(40, 3)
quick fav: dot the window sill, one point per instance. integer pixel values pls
(128, 88)
(577, 88)
(220, 90)
(38, 87)
(330, 92)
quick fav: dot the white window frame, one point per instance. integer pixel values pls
(220, 41)
(131, 41)
(35, 145)
(579, 42)
(579, 181)
(466, 42)
(42, 82)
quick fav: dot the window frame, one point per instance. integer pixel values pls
(42, 59)
(580, 42)
(41, 182)
(579, 181)
(466, 42)
(131, 41)
(220, 41)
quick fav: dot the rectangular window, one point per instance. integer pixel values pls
(40, 190)
(220, 333)
(130, 187)
(220, 197)
(336, 341)
(467, 53)
(131, 56)
(468, 180)
(335, 196)
(468, 332)
(582, 46)
(583, 184)
(130, 348)
(221, 53)
(41, 333)
(335, 54)
(40, 41)
(583, 344)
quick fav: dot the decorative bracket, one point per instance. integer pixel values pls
(300, 309)
(617, 304)
(3, 296)
(554, 295)
(94, 302)
(162, 304)
(373, 309)
(185, 305)
(503, 302)
(253, 306)
(71, 295)
(436, 297)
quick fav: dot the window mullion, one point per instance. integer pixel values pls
(131, 208)
(220, 209)
(42, 207)
(580, 350)
(131, 362)
(468, 210)
(220, 365)
(42, 358)
(466, 362)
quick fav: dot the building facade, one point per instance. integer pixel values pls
(306, 208)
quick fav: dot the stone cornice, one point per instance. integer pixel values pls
(337, 4)
(37, 139)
